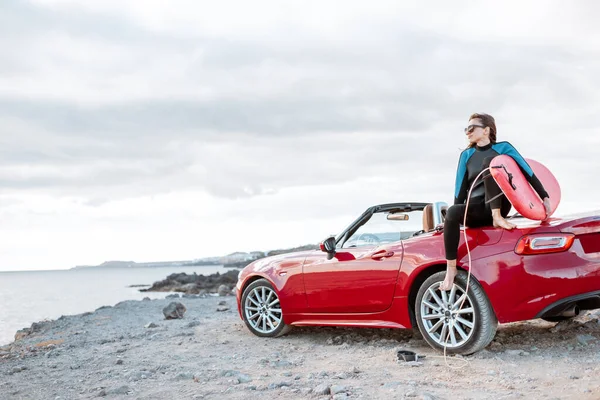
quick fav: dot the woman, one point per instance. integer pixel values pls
(487, 204)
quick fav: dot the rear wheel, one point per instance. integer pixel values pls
(261, 310)
(444, 323)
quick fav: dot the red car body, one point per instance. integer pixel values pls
(358, 287)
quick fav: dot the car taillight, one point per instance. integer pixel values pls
(544, 243)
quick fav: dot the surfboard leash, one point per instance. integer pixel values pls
(469, 263)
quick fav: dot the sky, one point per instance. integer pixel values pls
(147, 130)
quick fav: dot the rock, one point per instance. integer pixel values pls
(337, 340)
(150, 325)
(340, 396)
(16, 370)
(174, 310)
(413, 364)
(119, 362)
(279, 385)
(322, 389)
(184, 376)
(585, 339)
(223, 290)
(495, 345)
(193, 324)
(222, 308)
(484, 354)
(243, 378)
(222, 303)
(172, 296)
(342, 375)
(146, 299)
(138, 375)
(282, 364)
(36, 327)
(515, 352)
(194, 283)
(335, 389)
(120, 390)
(411, 393)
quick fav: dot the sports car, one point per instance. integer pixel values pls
(385, 270)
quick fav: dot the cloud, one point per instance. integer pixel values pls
(301, 106)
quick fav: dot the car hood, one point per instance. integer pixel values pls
(263, 264)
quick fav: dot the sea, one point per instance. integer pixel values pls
(32, 296)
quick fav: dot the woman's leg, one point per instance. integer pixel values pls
(454, 217)
(498, 202)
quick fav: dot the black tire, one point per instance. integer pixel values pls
(261, 315)
(476, 311)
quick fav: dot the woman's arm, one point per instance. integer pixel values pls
(509, 150)
(460, 187)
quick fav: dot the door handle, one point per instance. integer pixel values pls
(382, 254)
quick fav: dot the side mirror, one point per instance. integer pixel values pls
(328, 246)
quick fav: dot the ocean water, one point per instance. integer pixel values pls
(32, 296)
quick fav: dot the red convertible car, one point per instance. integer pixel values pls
(385, 269)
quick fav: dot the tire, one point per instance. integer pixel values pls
(261, 310)
(452, 329)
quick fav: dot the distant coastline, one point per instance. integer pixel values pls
(158, 264)
(233, 260)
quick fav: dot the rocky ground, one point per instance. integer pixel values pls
(221, 284)
(131, 351)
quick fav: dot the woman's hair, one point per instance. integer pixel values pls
(487, 121)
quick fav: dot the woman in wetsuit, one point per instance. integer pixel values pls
(487, 206)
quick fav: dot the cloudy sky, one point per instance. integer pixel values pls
(150, 130)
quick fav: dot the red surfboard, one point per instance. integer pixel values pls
(522, 196)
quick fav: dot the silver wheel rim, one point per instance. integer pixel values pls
(262, 310)
(443, 321)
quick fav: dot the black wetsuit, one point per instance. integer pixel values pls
(485, 196)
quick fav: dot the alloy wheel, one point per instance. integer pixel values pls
(262, 310)
(444, 320)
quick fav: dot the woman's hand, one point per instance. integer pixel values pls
(547, 207)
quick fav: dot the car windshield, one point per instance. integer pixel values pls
(380, 230)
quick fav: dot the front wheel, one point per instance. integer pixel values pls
(261, 310)
(445, 324)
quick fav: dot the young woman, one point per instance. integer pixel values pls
(487, 205)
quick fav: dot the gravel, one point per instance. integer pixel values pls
(131, 350)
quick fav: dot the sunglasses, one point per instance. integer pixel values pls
(471, 128)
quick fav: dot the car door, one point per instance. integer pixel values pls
(362, 275)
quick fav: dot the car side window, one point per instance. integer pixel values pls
(382, 228)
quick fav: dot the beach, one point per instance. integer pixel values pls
(31, 296)
(130, 350)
